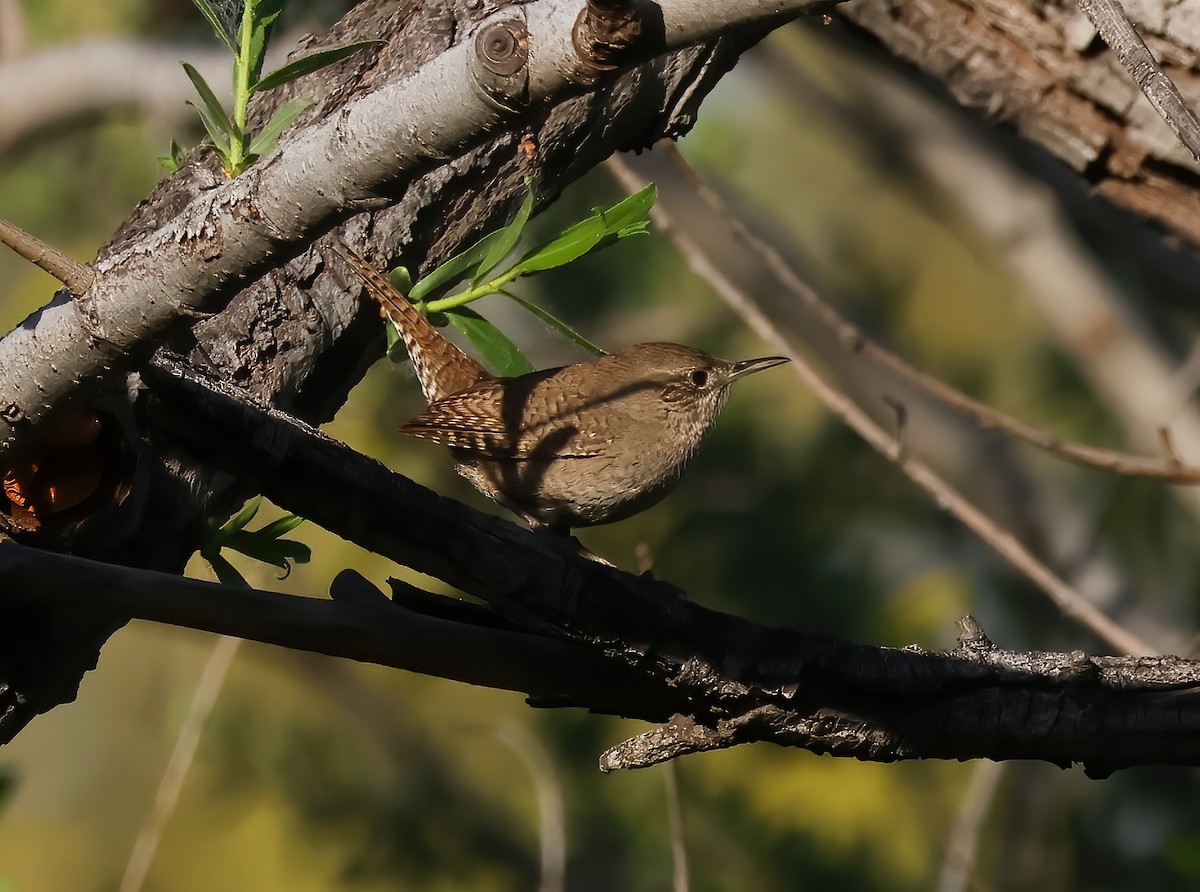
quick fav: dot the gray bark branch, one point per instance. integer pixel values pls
(329, 168)
(296, 338)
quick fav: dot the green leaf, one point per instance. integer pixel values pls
(173, 160)
(396, 350)
(503, 355)
(266, 544)
(625, 218)
(277, 528)
(261, 16)
(555, 323)
(402, 280)
(206, 10)
(268, 138)
(276, 552)
(308, 64)
(220, 118)
(453, 269)
(239, 520)
(215, 134)
(506, 240)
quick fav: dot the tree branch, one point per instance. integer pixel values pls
(360, 624)
(324, 172)
(78, 277)
(855, 341)
(295, 338)
(1118, 32)
(716, 679)
(735, 680)
(1068, 600)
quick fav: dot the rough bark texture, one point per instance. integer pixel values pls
(717, 680)
(1041, 68)
(297, 338)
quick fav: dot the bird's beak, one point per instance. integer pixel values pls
(750, 366)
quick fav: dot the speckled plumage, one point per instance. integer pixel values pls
(580, 445)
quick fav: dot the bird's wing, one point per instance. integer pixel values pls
(472, 421)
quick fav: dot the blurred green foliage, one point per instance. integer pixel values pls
(319, 775)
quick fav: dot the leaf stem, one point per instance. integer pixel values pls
(483, 289)
(241, 89)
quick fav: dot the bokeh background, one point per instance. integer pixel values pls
(972, 255)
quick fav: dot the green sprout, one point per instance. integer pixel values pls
(265, 544)
(478, 265)
(237, 148)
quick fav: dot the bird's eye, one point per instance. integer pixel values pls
(700, 377)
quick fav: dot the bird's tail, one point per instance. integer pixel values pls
(441, 367)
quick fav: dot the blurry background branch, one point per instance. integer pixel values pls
(73, 84)
(1035, 66)
(893, 445)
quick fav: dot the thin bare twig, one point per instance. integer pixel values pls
(850, 336)
(1118, 32)
(1068, 600)
(680, 881)
(78, 277)
(211, 682)
(973, 810)
(551, 814)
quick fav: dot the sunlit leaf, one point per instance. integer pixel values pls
(243, 517)
(402, 280)
(283, 525)
(453, 269)
(211, 103)
(214, 133)
(506, 240)
(627, 217)
(308, 64)
(555, 323)
(268, 138)
(261, 21)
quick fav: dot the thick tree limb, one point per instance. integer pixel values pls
(356, 626)
(717, 680)
(510, 68)
(742, 681)
(296, 337)
(735, 681)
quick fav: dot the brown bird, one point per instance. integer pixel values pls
(576, 446)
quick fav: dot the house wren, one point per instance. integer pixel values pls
(575, 446)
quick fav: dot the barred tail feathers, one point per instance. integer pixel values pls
(441, 367)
